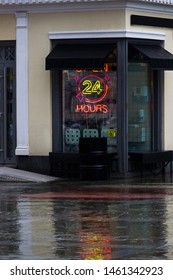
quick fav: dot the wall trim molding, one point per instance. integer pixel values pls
(55, 35)
(22, 151)
(59, 6)
(22, 83)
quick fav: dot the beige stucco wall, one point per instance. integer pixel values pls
(39, 25)
(7, 27)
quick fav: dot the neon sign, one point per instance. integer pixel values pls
(92, 108)
(105, 69)
(92, 89)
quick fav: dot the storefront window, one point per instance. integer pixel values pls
(139, 107)
(89, 107)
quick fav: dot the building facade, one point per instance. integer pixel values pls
(72, 69)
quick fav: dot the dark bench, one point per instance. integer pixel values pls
(152, 159)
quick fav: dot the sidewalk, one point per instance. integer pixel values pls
(8, 174)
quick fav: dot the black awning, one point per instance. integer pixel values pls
(157, 57)
(80, 56)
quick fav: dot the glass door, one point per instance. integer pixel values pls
(1, 113)
(7, 114)
(10, 111)
(7, 105)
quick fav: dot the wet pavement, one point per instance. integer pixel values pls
(72, 220)
(8, 174)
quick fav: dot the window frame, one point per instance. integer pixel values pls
(122, 101)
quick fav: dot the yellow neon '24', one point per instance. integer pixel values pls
(92, 87)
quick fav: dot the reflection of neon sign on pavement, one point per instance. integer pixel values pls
(92, 88)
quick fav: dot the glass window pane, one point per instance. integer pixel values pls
(89, 107)
(139, 107)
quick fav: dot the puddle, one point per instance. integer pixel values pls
(37, 223)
